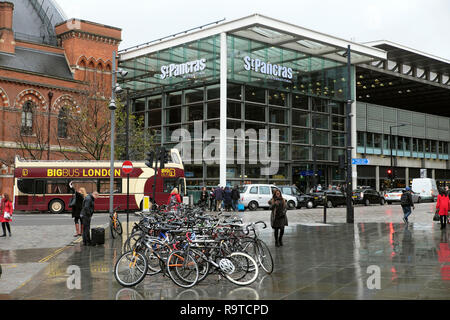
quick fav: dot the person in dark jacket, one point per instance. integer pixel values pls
(86, 214)
(235, 196)
(76, 210)
(278, 218)
(218, 194)
(227, 198)
(212, 200)
(406, 203)
(203, 198)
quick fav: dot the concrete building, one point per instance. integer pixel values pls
(257, 73)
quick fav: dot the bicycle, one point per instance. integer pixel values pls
(115, 224)
(258, 247)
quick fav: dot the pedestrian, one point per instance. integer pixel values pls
(212, 200)
(407, 202)
(204, 198)
(78, 197)
(227, 198)
(319, 187)
(86, 214)
(235, 196)
(174, 198)
(278, 217)
(442, 207)
(6, 214)
(218, 195)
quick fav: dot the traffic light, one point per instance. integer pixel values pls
(149, 159)
(390, 173)
(163, 157)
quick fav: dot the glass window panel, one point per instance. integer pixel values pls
(213, 110)
(194, 95)
(174, 98)
(234, 110)
(139, 105)
(321, 121)
(168, 133)
(173, 115)
(213, 92)
(212, 171)
(154, 118)
(336, 153)
(337, 108)
(300, 118)
(300, 153)
(321, 138)
(300, 102)
(234, 91)
(420, 144)
(195, 112)
(377, 140)
(338, 123)
(282, 133)
(321, 153)
(254, 126)
(277, 116)
(433, 147)
(369, 137)
(320, 105)
(339, 139)
(155, 102)
(255, 94)
(277, 98)
(300, 135)
(255, 112)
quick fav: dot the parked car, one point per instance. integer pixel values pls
(330, 198)
(254, 196)
(303, 200)
(426, 188)
(368, 197)
(395, 195)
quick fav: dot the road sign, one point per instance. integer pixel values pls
(360, 162)
(127, 167)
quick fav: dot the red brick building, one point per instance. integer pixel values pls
(47, 61)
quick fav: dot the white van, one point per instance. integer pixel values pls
(426, 188)
(254, 196)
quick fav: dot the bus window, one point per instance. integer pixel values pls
(169, 185)
(105, 183)
(26, 186)
(58, 187)
(40, 187)
(175, 158)
(89, 185)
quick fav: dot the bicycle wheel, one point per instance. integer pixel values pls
(182, 269)
(264, 256)
(131, 242)
(130, 268)
(244, 270)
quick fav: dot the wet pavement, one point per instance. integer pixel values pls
(365, 261)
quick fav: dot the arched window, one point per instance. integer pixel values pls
(62, 123)
(27, 118)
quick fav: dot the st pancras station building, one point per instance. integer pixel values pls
(245, 90)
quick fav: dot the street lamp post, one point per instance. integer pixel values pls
(50, 97)
(349, 188)
(392, 152)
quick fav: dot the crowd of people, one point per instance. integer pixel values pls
(220, 198)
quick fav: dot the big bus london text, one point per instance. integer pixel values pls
(44, 185)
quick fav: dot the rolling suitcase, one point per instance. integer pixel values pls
(98, 236)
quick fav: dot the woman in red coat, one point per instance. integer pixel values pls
(443, 205)
(174, 198)
(6, 207)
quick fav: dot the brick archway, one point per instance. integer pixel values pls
(31, 95)
(64, 100)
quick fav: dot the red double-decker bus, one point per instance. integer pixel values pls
(43, 186)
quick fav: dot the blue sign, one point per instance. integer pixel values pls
(310, 173)
(360, 162)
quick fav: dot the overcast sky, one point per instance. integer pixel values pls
(420, 24)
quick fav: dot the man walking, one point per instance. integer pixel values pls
(86, 215)
(407, 202)
(235, 196)
(218, 194)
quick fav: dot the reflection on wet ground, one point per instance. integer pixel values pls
(364, 261)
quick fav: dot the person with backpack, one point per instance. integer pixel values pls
(86, 214)
(235, 196)
(442, 207)
(407, 202)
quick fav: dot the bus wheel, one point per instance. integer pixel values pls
(56, 206)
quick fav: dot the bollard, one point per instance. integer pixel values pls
(325, 209)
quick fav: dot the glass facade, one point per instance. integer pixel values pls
(269, 88)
